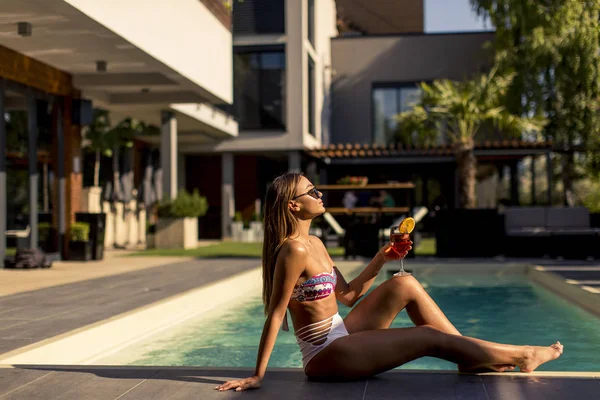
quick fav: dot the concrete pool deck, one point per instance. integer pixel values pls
(32, 318)
(149, 383)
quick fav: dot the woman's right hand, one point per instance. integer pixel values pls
(243, 384)
(388, 253)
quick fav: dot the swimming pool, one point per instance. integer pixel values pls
(502, 308)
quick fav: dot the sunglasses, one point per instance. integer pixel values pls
(312, 193)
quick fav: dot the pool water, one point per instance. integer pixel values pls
(505, 309)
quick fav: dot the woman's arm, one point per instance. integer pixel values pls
(290, 265)
(349, 293)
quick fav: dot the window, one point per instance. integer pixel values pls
(259, 88)
(311, 97)
(252, 17)
(311, 22)
(389, 101)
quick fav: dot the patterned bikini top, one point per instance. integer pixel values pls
(317, 287)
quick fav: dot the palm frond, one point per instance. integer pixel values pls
(465, 107)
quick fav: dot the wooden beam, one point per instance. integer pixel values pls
(33, 73)
(375, 186)
(367, 210)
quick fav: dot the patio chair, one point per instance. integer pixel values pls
(334, 234)
(20, 236)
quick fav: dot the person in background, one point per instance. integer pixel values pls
(349, 200)
(383, 200)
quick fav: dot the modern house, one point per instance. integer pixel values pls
(320, 95)
(59, 57)
(377, 67)
(240, 97)
(282, 77)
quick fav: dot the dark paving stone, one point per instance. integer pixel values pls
(150, 383)
(8, 308)
(181, 384)
(394, 385)
(56, 310)
(34, 330)
(289, 384)
(40, 312)
(536, 387)
(13, 378)
(7, 344)
(81, 384)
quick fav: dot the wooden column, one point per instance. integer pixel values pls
(73, 173)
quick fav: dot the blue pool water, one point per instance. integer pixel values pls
(505, 309)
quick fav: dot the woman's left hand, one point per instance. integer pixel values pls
(388, 253)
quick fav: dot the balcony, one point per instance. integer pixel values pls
(220, 9)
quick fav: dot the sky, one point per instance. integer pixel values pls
(451, 16)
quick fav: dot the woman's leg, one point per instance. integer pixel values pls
(380, 307)
(381, 350)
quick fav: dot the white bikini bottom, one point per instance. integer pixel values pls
(313, 338)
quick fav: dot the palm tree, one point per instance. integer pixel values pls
(461, 109)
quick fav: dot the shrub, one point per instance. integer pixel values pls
(43, 231)
(238, 217)
(591, 198)
(80, 232)
(185, 205)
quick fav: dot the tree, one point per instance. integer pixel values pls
(122, 136)
(98, 139)
(553, 46)
(463, 110)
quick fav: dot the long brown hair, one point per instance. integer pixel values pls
(279, 224)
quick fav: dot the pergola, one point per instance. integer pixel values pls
(505, 152)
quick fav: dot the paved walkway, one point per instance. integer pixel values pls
(62, 272)
(29, 317)
(149, 383)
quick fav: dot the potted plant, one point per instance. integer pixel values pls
(177, 225)
(237, 226)
(97, 231)
(256, 226)
(98, 140)
(151, 236)
(43, 235)
(80, 247)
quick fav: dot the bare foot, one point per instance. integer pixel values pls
(537, 355)
(489, 368)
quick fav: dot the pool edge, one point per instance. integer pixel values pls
(574, 293)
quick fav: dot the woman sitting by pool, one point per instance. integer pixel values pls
(299, 274)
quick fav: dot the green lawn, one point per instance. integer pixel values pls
(234, 249)
(426, 247)
(223, 249)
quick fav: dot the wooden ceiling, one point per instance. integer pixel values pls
(383, 16)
